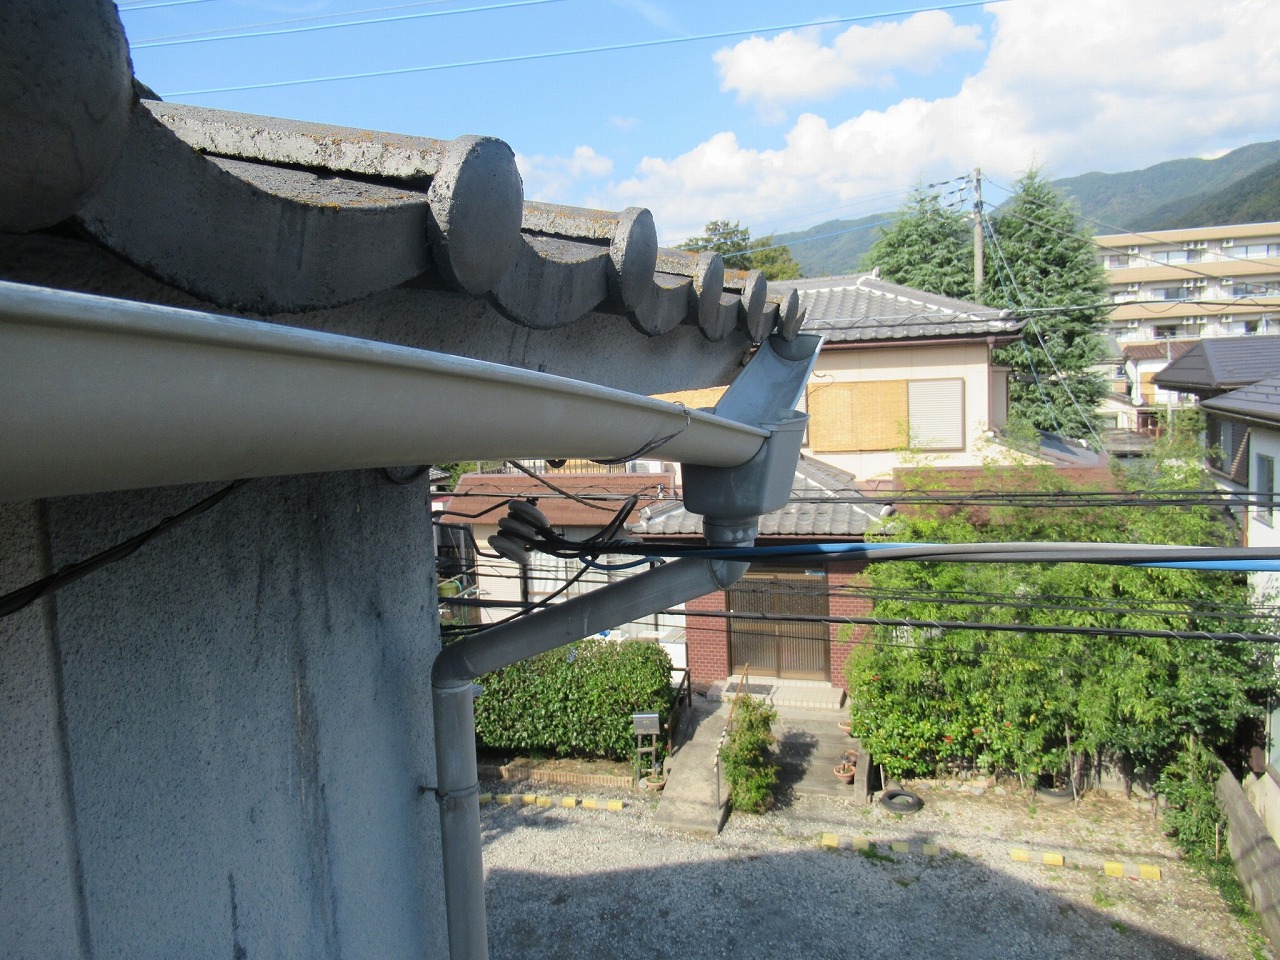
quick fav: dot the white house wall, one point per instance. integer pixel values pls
(969, 362)
(222, 744)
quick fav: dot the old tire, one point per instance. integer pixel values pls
(901, 801)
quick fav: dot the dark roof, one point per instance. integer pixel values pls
(479, 492)
(824, 503)
(1218, 364)
(326, 227)
(862, 307)
(1258, 401)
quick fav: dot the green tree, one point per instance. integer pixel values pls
(734, 244)
(929, 248)
(1025, 702)
(1040, 258)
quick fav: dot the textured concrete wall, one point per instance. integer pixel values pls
(39, 892)
(248, 724)
(1254, 852)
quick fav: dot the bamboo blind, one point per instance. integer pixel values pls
(850, 417)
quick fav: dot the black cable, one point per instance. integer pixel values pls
(23, 597)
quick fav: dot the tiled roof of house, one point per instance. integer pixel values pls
(1258, 401)
(864, 308)
(1215, 365)
(477, 493)
(322, 226)
(824, 503)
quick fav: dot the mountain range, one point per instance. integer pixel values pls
(1242, 186)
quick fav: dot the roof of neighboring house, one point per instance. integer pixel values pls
(487, 494)
(1257, 401)
(824, 503)
(864, 308)
(1165, 350)
(1218, 364)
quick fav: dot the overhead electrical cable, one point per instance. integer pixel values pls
(151, 44)
(580, 51)
(312, 19)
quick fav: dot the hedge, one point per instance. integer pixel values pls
(576, 700)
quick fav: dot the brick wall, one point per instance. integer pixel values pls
(708, 641)
(845, 636)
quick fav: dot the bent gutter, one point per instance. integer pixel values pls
(731, 500)
(101, 394)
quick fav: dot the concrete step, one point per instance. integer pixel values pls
(690, 802)
(799, 694)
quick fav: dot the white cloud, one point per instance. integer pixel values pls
(1091, 84)
(555, 179)
(798, 65)
(623, 123)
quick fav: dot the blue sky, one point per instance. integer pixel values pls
(778, 128)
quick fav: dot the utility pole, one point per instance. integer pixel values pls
(977, 234)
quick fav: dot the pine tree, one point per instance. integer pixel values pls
(734, 244)
(1039, 257)
(929, 248)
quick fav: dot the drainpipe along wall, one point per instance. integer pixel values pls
(731, 501)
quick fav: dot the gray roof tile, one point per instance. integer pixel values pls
(864, 308)
(1218, 364)
(1258, 401)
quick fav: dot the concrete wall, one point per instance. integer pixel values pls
(222, 745)
(1254, 852)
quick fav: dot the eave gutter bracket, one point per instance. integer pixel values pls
(731, 500)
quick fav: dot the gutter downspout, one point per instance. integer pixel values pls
(731, 500)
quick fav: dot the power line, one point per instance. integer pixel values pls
(276, 23)
(579, 51)
(147, 44)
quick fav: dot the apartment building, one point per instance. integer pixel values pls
(1198, 282)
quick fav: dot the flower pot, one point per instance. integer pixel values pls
(654, 782)
(846, 772)
(846, 726)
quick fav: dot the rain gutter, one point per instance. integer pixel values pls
(101, 394)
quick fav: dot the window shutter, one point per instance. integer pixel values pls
(937, 414)
(852, 417)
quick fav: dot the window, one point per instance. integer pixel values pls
(1264, 485)
(1177, 256)
(1226, 442)
(1117, 261)
(1170, 293)
(886, 415)
(1164, 331)
(1253, 250)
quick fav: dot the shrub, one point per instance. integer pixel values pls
(575, 700)
(749, 766)
(1192, 814)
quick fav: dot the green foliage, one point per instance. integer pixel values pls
(575, 700)
(734, 244)
(1010, 700)
(1187, 783)
(1044, 259)
(929, 248)
(749, 767)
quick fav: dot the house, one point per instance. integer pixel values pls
(227, 342)
(903, 375)
(1210, 369)
(1199, 282)
(825, 507)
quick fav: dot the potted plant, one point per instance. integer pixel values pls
(655, 781)
(846, 770)
(846, 726)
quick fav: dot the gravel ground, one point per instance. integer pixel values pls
(584, 883)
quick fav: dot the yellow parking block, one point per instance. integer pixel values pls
(529, 798)
(568, 801)
(544, 801)
(1020, 855)
(1053, 859)
(831, 840)
(505, 798)
(1113, 869)
(1147, 872)
(486, 798)
(932, 850)
(899, 846)
(613, 805)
